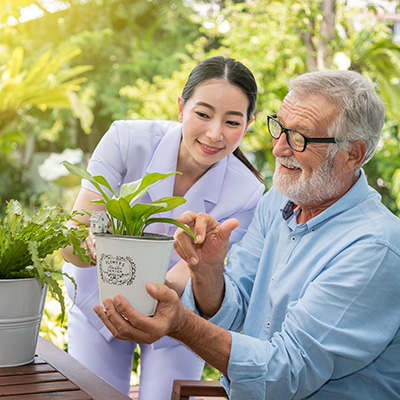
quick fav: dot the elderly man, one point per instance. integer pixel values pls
(308, 303)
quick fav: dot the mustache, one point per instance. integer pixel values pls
(289, 162)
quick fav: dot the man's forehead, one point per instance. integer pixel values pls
(309, 100)
(306, 109)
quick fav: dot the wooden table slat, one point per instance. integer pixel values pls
(26, 369)
(74, 395)
(54, 374)
(34, 378)
(199, 388)
(42, 387)
(88, 381)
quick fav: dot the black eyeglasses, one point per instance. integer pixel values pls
(296, 140)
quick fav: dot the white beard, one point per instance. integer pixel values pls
(320, 186)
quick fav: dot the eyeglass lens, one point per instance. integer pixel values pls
(296, 141)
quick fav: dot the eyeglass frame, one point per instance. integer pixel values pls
(306, 138)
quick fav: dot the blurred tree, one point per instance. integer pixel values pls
(123, 39)
(279, 40)
(46, 85)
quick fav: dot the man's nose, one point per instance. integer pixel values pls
(281, 147)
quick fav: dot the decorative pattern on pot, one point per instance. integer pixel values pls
(117, 270)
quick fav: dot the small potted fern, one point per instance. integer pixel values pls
(25, 275)
(128, 257)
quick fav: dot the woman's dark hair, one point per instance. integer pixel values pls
(235, 73)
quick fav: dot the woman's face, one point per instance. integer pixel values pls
(214, 121)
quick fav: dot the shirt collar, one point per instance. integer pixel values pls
(357, 193)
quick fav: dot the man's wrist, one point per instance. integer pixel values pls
(178, 331)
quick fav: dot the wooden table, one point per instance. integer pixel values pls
(203, 390)
(54, 375)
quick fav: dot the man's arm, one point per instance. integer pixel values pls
(210, 342)
(205, 258)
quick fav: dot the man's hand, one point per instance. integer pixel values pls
(209, 341)
(125, 323)
(205, 258)
(212, 239)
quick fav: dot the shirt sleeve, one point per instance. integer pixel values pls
(107, 160)
(343, 321)
(243, 260)
(242, 265)
(124, 152)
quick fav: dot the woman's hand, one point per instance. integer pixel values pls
(89, 244)
(83, 202)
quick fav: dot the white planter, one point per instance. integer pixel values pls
(125, 264)
(21, 309)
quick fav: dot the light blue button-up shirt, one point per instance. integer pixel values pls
(314, 309)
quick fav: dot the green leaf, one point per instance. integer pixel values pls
(33, 250)
(14, 215)
(101, 201)
(127, 219)
(119, 209)
(73, 169)
(15, 256)
(173, 222)
(102, 181)
(144, 184)
(172, 202)
(128, 189)
(80, 172)
(56, 292)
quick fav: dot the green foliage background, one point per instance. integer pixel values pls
(64, 77)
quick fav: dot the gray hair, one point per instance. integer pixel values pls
(361, 111)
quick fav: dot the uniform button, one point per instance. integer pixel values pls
(268, 324)
(293, 238)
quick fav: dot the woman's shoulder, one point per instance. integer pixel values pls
(144, 127)
(140, 136)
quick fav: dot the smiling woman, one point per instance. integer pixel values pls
(214, 111)
(212, 128)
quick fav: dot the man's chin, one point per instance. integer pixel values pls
(284, 185)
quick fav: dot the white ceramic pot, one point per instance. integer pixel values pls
(126, 263)
(21, 310)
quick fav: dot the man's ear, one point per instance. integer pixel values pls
(355, 155)
(180, 109)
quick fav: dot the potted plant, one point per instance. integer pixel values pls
(25, 275)
(128, 257)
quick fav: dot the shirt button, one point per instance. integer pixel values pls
(268, 324)
(293, 238)
(272, 279)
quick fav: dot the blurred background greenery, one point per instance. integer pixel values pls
(70, 68)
